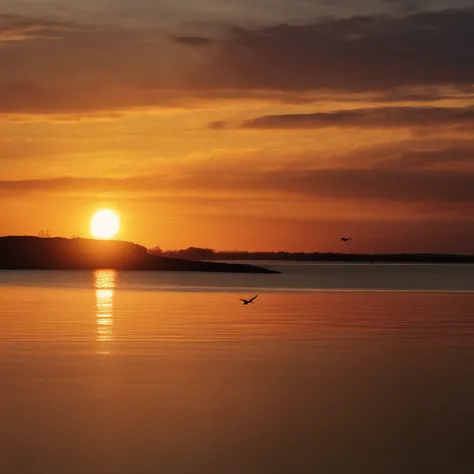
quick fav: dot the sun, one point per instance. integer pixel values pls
(104, 224)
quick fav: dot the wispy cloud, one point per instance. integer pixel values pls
(21, 28)
(375, 117)
(55, 66)
(211, 179)
(192, 40)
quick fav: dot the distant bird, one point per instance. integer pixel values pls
(245, 302)
(345, 239)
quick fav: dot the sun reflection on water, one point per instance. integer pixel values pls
(104, 281)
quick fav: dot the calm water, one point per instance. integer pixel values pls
(335, 369)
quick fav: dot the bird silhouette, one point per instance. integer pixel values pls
(245, 302)
(345, 239)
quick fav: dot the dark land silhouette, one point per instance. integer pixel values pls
(210, 254)
(36, 253)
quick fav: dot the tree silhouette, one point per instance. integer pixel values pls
(156, 251)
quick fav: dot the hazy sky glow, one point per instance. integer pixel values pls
(237, 124)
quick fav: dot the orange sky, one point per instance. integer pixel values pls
(269, 132)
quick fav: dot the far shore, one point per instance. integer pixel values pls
(213, 255)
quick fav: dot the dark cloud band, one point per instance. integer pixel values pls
(381, 117)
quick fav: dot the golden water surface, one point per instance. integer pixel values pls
(99, 376)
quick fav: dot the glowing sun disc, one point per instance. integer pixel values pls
(104, 224)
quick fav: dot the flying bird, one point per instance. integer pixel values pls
(245, 302)
(345, 239)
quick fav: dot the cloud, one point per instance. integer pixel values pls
(51, 66)
(353, 54)
(421, 155)
(217, 125)
(82, 69)
(375, 117)
(213, 179)
(20, 28)
(192, 40)
(418, 154)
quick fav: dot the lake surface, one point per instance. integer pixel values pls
(335, 369)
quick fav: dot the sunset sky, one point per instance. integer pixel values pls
(241, 124)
